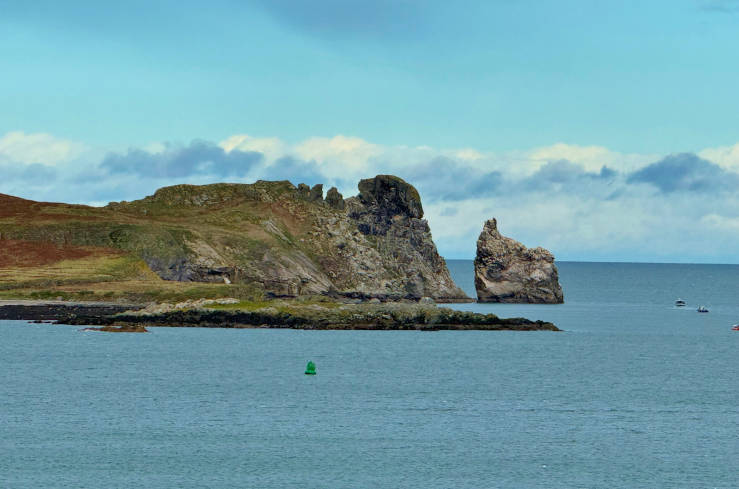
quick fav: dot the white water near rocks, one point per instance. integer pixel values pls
(635, 393)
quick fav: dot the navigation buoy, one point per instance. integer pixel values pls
(310, 369)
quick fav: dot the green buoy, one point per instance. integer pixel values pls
(310, 369)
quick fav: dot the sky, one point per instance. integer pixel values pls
(603, 131)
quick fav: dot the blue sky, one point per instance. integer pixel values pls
(602, 130)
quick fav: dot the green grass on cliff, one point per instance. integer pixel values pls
(281, 305)
(247, 230)
(75, 272)
(223, 222)
(139, 292)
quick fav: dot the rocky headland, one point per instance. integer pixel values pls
(267, 254)
(508, 271)
(269, 239)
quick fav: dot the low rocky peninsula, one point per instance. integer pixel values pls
(285, 256)
(508, 271)
(308, 313)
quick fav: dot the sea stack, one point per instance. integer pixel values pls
(508, 271)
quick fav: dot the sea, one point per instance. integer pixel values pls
(634, 393)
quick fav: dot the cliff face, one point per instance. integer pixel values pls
(388, 214)
(287, 240)
(507, 271)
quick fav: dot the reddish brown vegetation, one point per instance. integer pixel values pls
(13, 206)
(29, 209)
(14, 253)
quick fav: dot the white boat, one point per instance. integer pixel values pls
(702, 309)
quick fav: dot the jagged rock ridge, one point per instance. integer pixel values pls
(508, 271)
(372, 245)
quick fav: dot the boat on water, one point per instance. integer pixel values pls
(735, 327)
(680, 303)
(702, 309)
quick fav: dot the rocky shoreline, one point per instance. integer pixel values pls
(275, 314)
(59, 311)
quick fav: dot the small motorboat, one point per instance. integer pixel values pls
(680, 303)
(735, 327)
(702, 309)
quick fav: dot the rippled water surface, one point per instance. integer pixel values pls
(635, 393)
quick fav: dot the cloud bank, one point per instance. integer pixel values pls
(199, 158)
(582, 202)
(687, 173)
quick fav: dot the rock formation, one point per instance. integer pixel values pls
(507, 271)
(316, 193)
(388, 213)
(335, 199)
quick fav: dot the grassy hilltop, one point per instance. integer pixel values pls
(225, 240)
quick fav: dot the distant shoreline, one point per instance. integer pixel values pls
(596, 262)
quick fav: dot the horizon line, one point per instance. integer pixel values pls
(616, 262)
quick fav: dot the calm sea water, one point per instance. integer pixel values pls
(636, 393)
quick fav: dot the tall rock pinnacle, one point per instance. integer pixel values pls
(508, 271)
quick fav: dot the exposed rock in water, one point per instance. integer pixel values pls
(508, 271)
(127, 328)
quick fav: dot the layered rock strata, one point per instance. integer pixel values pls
(508, 271)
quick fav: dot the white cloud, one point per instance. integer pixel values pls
(271, 148)
(339, 151)
(156, 147)
(720, 222)
(725, 156)
(46, 149)
(468, 154)
(592, 158)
